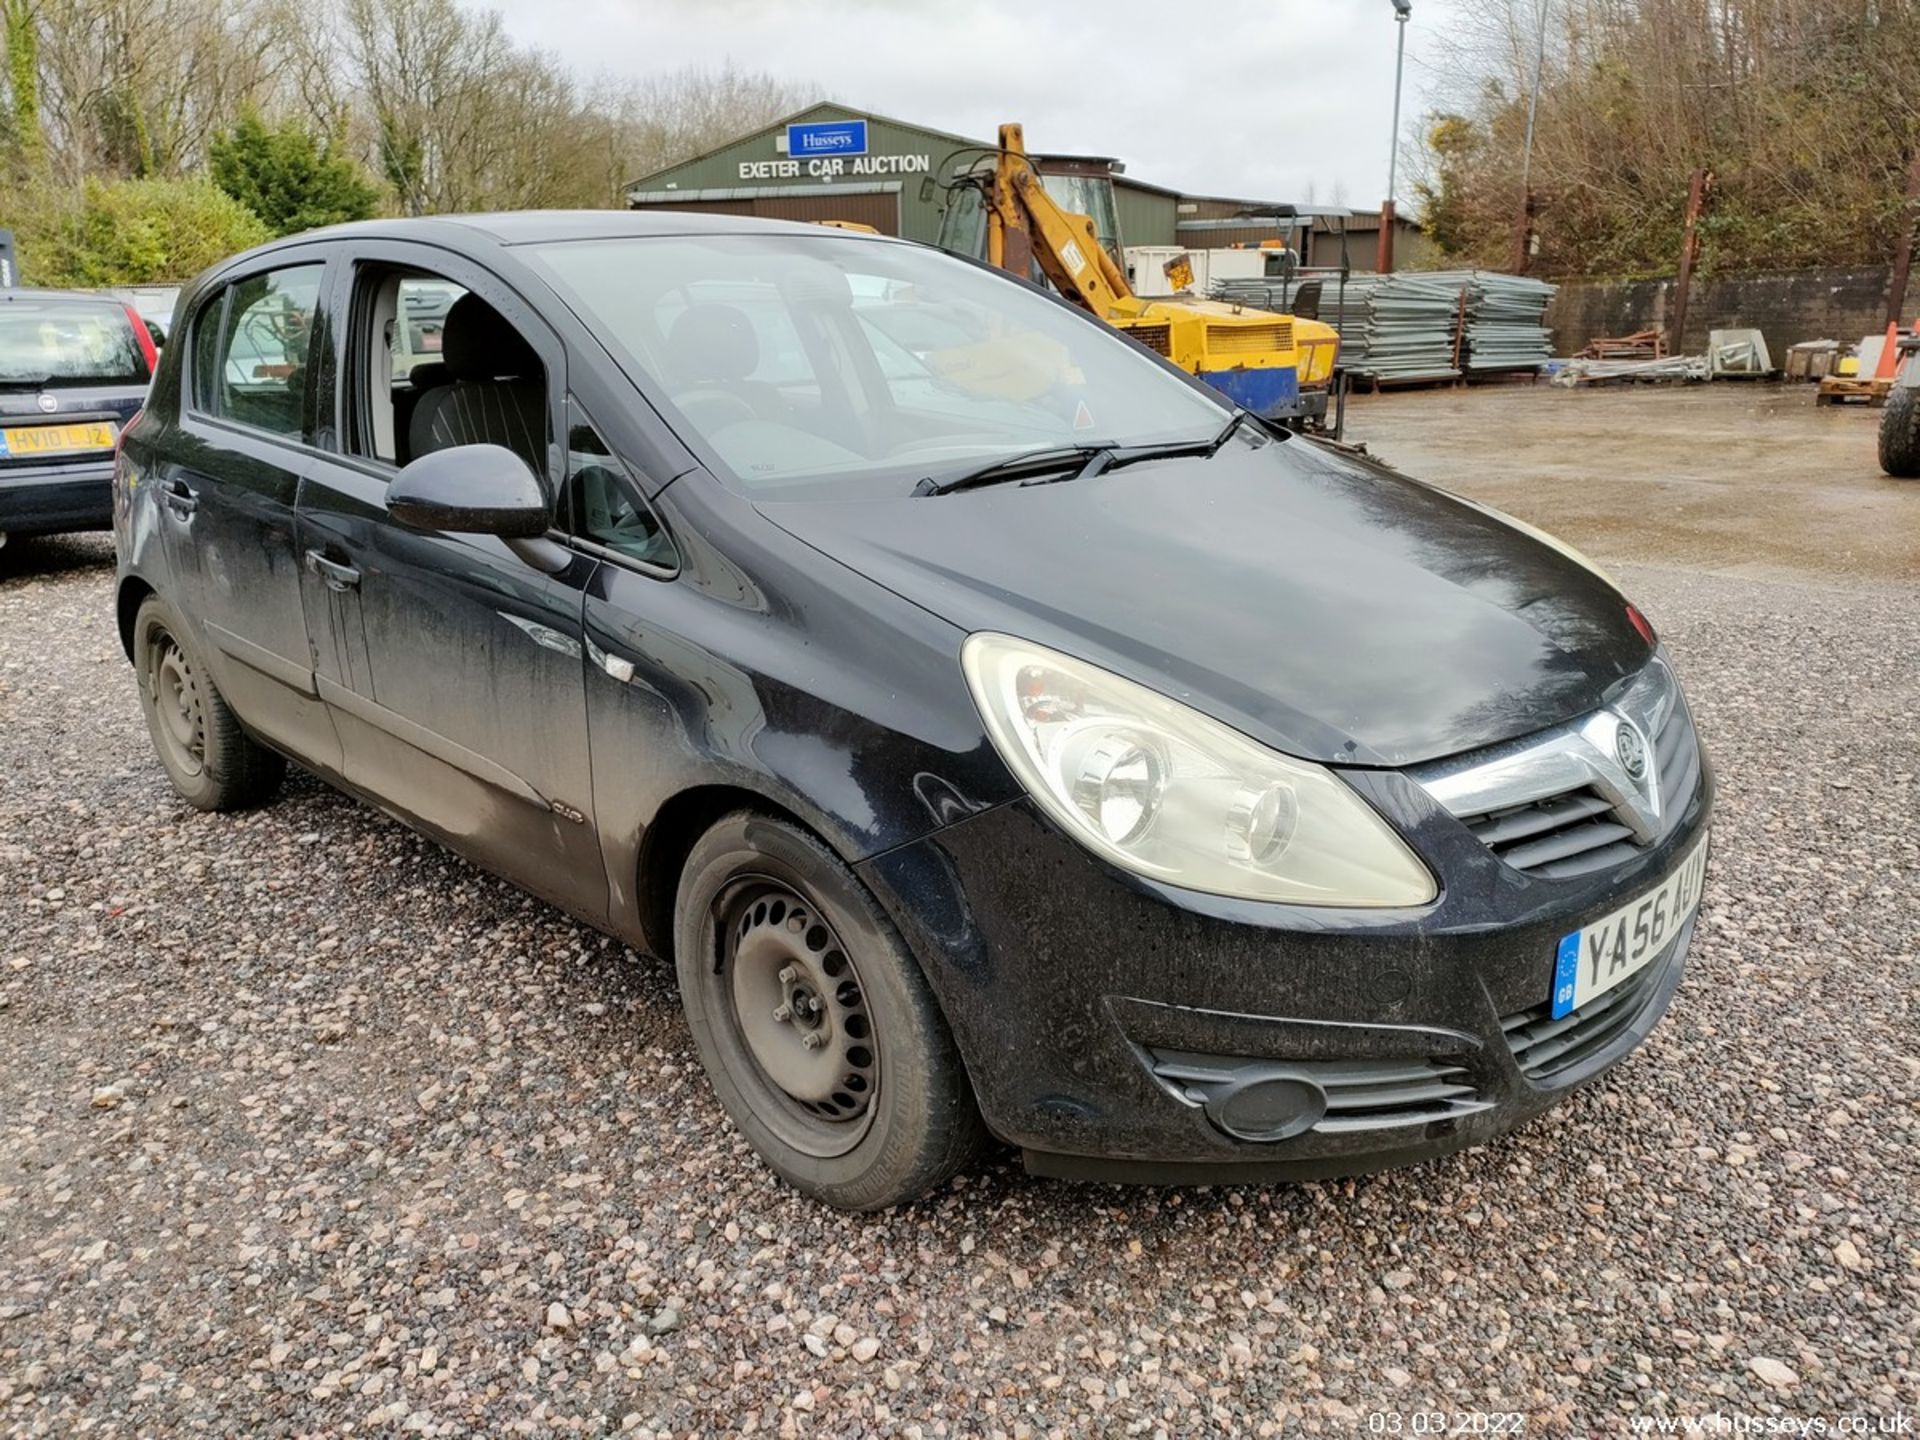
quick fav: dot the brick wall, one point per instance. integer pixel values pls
(1786, 306)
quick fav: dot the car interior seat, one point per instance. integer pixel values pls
(712, 350)
(491, 389)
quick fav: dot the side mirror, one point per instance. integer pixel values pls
(470, 490)
(926, 190)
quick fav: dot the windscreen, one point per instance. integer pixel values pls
(47, 344)
(840, 367)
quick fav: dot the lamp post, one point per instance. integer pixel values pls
(1523, 239)
(1402, 10)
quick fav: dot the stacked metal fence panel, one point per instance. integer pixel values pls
(1347, 310)
(1506, 322)
(1413, 325)
(1411, 322)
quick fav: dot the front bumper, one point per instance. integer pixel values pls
(46, 499)
(1108, 1022)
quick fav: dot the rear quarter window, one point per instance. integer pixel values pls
(52, 344)
(250, 344)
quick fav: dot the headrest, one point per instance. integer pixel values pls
(477, 344)
(713, 342)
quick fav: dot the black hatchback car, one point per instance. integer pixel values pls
(74, 369)
(1000, 735)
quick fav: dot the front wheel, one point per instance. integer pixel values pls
(1900, 432)
(814, 1022)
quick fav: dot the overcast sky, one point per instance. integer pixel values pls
(1263, 99)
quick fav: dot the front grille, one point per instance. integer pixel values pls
(1360, 1094)
(1546, 1049)
(1157, 338)
(1677, 753)
(1247, 339)
(1379, 1094)
(1574, 833)
(1558, 806)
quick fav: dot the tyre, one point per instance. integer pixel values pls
(1900, 433)
(814, 1022)
(210, 760)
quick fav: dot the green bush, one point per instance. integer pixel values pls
(289, 178)
(127, 232)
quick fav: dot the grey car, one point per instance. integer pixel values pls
(74, 370)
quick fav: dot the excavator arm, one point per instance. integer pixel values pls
(1025, 224)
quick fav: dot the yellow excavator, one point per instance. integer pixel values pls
(1280, 367)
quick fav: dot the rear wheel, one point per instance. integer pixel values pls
(1900, 432)
(210, 760)
(814, 1022)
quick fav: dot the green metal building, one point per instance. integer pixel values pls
(832, 162)
(764, 173)
(757, 174)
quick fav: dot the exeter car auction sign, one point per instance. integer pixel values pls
(824, 149)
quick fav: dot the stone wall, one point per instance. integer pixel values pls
(1786, 306)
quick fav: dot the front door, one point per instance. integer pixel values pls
(452, 665)
(227, 477)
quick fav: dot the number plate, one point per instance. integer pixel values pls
(1597, 957)
(55, 439)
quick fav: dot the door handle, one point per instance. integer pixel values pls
(179, 499)
(332, 572)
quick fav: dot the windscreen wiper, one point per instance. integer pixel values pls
(1078, 462)
(1173, 450)
(24, 382)
(1076, 458)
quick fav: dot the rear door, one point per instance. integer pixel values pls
(452, 665)
(227, 473)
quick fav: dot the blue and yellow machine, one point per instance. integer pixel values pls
(1277, 366)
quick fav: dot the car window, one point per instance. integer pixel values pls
(844, 367)
(251, 346)
(48, 343)
(431, 365)
(607, 508)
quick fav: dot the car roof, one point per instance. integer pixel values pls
(77, 296)
(526, 227)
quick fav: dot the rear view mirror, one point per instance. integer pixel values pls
(470, 490)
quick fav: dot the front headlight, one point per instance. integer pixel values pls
(1169, 793)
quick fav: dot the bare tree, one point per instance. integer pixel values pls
(434, 97)
(1808, 112)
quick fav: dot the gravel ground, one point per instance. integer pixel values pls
(309, 1129)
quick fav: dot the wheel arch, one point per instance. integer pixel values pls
(132, 595)
(670, 839)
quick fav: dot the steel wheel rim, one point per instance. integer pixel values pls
(781, 976)
(179, 710)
